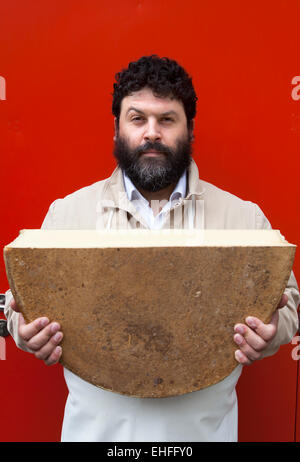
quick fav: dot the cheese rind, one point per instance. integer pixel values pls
(148, 320)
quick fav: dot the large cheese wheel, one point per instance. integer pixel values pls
(149, 313)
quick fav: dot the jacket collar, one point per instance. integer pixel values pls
(195, 185)
(114, 193)
(133, 193)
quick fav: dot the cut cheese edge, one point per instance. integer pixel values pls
(149, 313)
(37, 238)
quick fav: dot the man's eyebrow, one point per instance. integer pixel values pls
(172, 112)
(167, 113)
(134, 109)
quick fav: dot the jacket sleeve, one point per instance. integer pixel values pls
(11, 315)
(288, 317)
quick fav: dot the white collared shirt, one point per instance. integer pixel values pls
(143, 207)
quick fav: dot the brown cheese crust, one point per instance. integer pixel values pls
(149, 322)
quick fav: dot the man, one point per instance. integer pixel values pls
(154, 104)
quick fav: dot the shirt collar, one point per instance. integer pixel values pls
(133, 193)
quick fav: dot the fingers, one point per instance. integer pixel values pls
(249, 343)
(51, 352)
(247, 338)
(54, 356)
(27, 331)
(42, 338)
(253, 337)
(242, 358)
(265, 331)
(45, 344)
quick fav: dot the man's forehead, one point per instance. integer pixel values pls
(145, 98)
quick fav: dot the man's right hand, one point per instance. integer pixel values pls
(41, 336)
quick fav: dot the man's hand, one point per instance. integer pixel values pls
(41, 337)
(254, 336)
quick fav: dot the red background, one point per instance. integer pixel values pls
(58, 58)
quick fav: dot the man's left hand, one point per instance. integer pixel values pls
(253, 337)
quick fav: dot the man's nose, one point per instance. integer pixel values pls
(152, 132)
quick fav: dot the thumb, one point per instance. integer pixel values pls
(275, 318)
(22, 321)
(13, 305)
(269, 330)
(283, 301)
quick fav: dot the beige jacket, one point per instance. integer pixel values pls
(98, 206)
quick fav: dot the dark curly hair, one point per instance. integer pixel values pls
(164, 76)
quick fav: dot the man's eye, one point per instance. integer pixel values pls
(167, 119)
(137, 119)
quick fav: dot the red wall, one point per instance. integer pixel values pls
(58, 59)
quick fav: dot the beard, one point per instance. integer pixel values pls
(153, 174)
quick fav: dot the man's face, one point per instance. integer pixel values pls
(152, 142)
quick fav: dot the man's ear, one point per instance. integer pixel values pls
(191, 130)
(116, 124)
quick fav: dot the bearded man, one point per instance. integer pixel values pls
(154, 105)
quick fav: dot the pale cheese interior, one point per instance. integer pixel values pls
(37, 238)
